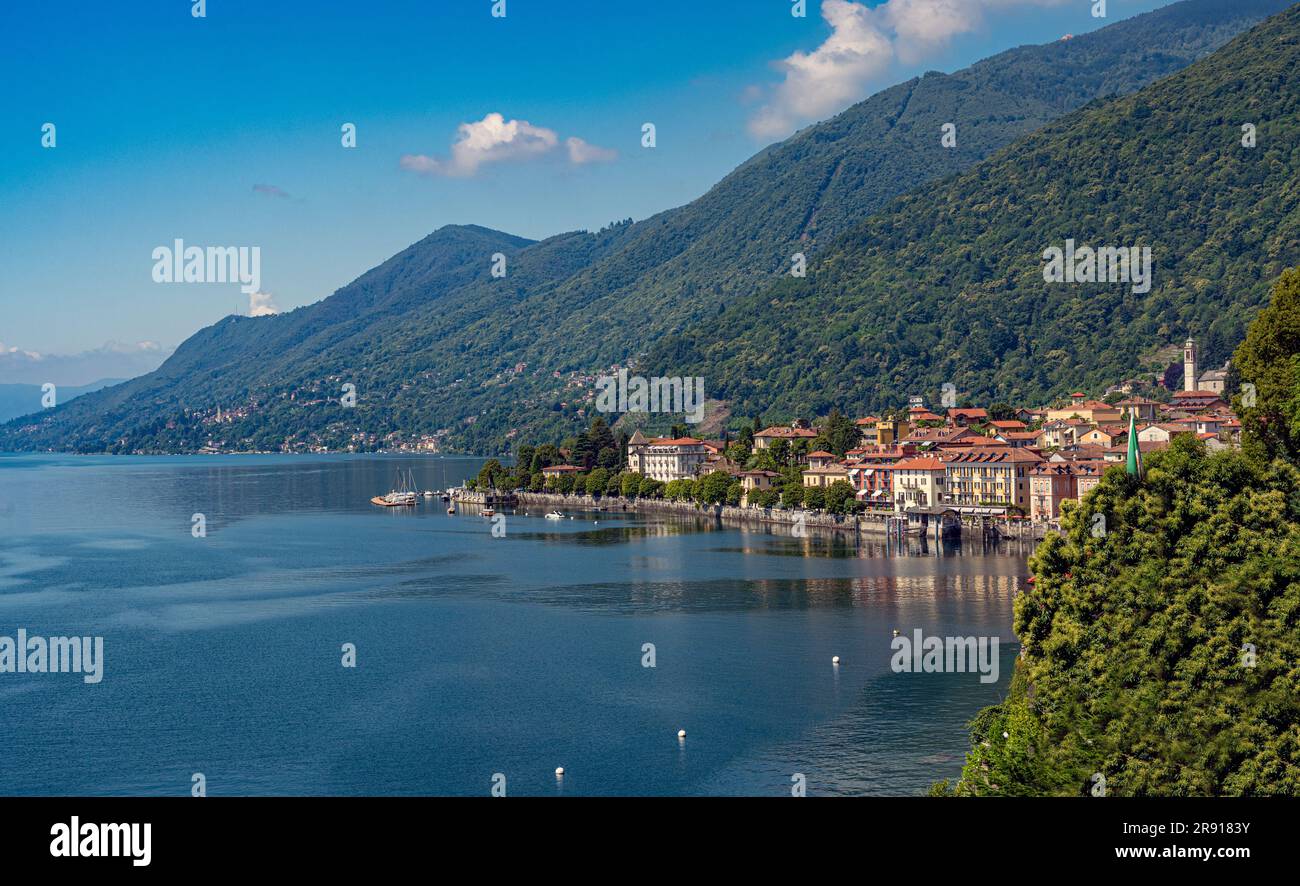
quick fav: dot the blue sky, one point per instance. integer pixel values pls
(225, 130)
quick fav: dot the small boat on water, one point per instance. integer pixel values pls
(451, 510)
(402, 496)
(554, 515)
(428, 493)
(488, 512)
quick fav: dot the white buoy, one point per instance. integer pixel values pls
(835, 659)
(896, 632)
(681, 733)
(559, 771)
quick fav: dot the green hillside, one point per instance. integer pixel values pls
(946, 284)
(436, 346)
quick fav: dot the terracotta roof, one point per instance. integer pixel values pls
(920, 464)
(675, 441)
(989, 455)
(786, 432)
(821, 453)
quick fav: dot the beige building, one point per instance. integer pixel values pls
(918, 483)
(1091, 411)
(768, 436)
(825, 476)
(752, 481)
(988, 476)
(666, 459)
(1145, 410)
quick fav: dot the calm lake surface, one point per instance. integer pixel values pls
(475, 655)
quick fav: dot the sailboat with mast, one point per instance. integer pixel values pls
(403, 494)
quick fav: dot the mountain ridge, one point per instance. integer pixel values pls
(435, 345)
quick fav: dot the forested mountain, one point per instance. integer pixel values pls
(436, 345)
(947, 283)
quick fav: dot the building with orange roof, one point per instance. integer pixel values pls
(918, 483)
(826, 475)
(963, 417)
(989, 476)
(1050, 484)
(768, 436)
(666, 458)
(820, 459)
(1091, 411)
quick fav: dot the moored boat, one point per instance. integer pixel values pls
(404, 496)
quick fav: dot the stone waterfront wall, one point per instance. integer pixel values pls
(871, 523)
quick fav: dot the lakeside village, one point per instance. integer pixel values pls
(915, 469)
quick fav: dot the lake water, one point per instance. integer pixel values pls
(475, 655)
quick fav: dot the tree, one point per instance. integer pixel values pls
(545, 456)
(524, 458)
(792, 495)
(746, 437)
(734, 493)
(1269, 359)
(839, 498)
(650, 488)
(839, 434)
(493, 475)
(763, 498)
(597, 482)
(630, 485)
(600, 435)
(712, 488)
(583, 452)
(814, 497)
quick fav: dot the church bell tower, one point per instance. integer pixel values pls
(1189, 365)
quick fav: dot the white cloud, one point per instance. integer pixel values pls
(113, 359)
(582, 153)
(863, 45)
(260, 305)
(494, 139)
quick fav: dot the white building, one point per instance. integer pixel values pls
(666, 459)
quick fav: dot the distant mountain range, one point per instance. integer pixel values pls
(16, 400)
(903, 292)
